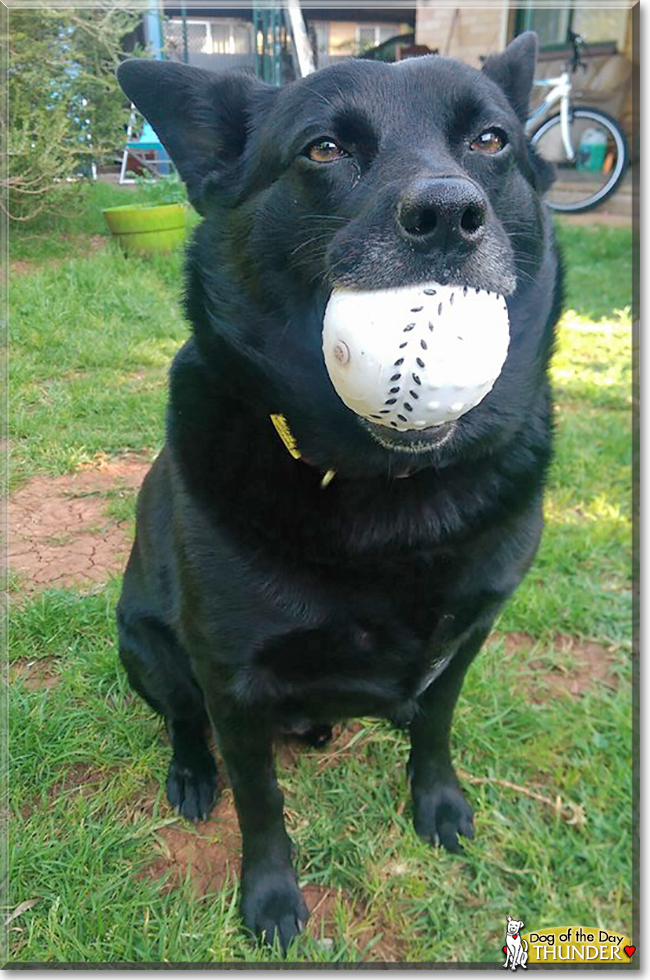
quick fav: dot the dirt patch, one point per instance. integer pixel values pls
(210, 854)
(82, 778)
(59, 531)
(210, 851)
(35, 675)
(89, 245)
(345, 736)
(19, 267)
(592, 666)
(367, 930)
(212, 848)
(582, 665)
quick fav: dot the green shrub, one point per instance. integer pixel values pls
(66, 110)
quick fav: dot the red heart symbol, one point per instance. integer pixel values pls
(629, 950)
(505, 949)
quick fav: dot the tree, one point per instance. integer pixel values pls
(65, 108)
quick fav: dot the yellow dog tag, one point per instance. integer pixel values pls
(285, 433)
(283, 430)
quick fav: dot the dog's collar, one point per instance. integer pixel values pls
(282, 428)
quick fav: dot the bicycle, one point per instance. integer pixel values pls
(587, 147)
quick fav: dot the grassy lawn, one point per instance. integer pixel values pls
(545, 713)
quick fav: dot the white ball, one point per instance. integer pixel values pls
(416, 356)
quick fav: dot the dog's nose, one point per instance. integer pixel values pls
(443, 211)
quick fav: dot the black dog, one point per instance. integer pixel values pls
(257, 596)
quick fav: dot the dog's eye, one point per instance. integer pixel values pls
(491, 141)
(325, 151)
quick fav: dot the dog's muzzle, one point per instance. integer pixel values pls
(416, 356)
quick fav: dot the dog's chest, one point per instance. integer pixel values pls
(326, 674)
(383, 645)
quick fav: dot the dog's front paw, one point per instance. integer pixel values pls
(273, 906)
(192, 792)
(441, 814)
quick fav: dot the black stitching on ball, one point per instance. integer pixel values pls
(402, 418)
(390, 401)
(419, 362)
(451, 299)
(399, 362)
(409, 408)
(423, 345)
(464, 290)
(408, 327)
(416, 379)
(396, 377)
(439, 309)
(393, 391)
(402, 346)
(394, 424)
(414, 394)
(430, 326)
(416, 309)
(430, 292)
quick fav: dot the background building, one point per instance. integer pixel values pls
(220, 38)
(471, 34)
(225, 38)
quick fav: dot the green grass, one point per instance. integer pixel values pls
(91, 340)
(92, 337)
(598, 269)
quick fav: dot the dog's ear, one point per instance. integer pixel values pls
(514, 70)
(202, 118)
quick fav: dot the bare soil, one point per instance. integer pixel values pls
(585, 666)
(82, 778)
(59, 530)
(36, 675)
(210, 854)
(91, 244)
(61, 533)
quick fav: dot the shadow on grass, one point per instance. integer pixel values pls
(598, 269)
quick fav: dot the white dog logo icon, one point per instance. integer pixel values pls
(516, 948)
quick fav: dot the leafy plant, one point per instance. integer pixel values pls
(65, 107)
(161, 190)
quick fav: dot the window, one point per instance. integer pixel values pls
(230, 37)
(598, 24)
(601, 25)
(350, 39)
(198, 32)
(213, 36)
(366, 37)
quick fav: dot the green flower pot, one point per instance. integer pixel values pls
(143, 229)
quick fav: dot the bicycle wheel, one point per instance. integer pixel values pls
(599, 165)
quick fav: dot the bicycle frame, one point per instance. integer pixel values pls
(560, 92)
